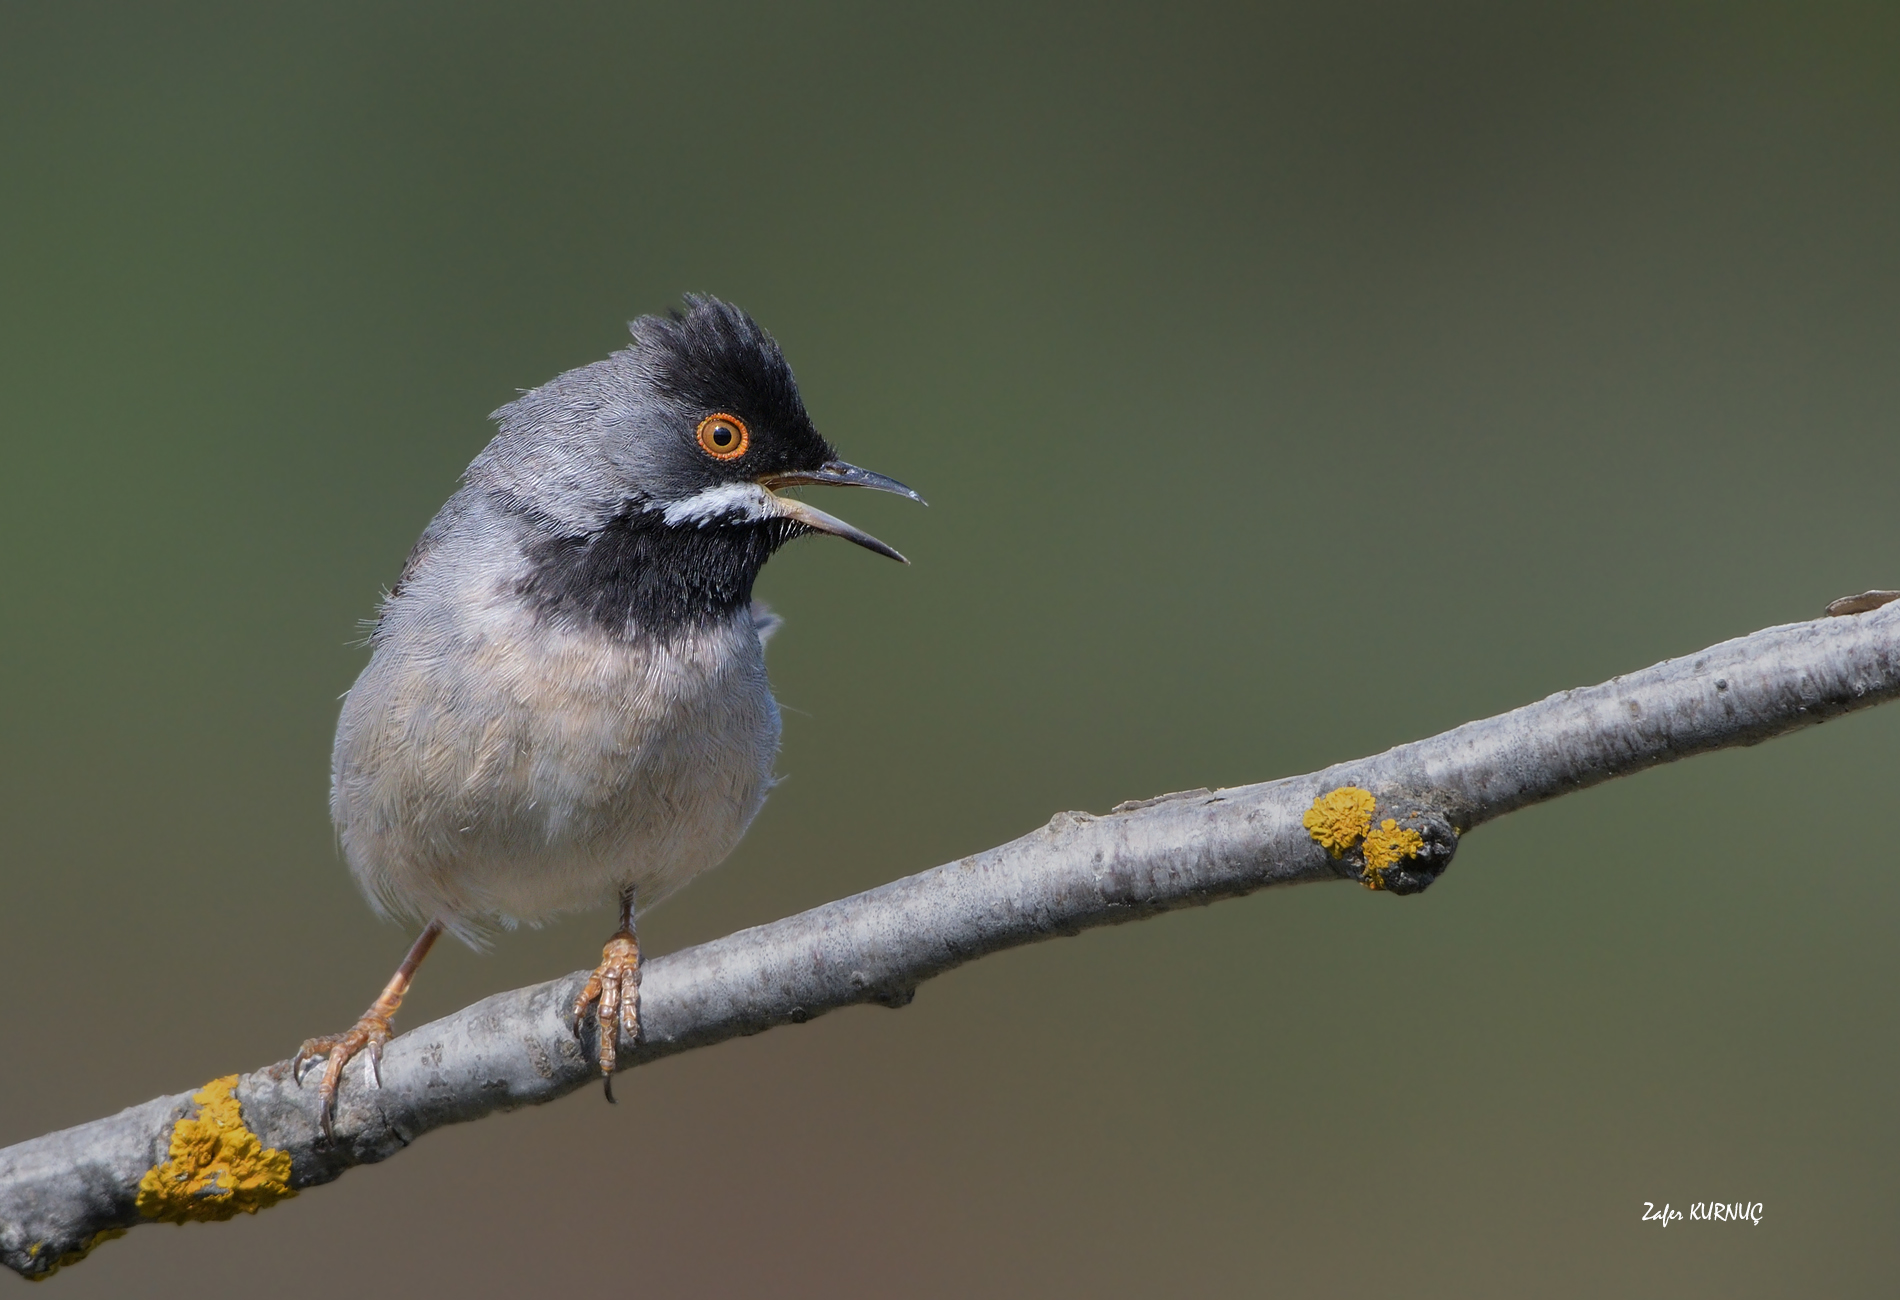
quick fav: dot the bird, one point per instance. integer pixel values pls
(566, 701)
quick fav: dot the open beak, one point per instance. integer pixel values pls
(837, 474)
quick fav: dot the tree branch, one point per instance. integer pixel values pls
(1390, 821)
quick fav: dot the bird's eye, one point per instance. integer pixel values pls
(723, 437)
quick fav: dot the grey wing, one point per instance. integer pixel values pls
(439, 527)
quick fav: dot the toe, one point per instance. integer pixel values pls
(590, 994)
(608, 1022)
(326, 1090)
(630, 1008)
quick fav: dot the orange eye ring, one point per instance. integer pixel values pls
(723, 436)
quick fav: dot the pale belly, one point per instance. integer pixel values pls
(515, 771)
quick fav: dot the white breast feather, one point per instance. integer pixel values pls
(510, 769)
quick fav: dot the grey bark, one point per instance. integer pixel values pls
(58, 1192)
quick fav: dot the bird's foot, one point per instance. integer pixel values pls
(613, 990)
(366, 1036)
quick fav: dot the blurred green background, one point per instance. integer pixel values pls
(1287, 383)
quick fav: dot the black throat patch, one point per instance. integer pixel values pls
(642, 577)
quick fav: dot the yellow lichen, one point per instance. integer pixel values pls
(1339, 820)
(216, 1167)
(1387, 846)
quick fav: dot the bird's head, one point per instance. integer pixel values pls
(699, 423)
(669, 458)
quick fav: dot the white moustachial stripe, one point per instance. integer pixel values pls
(727, 501)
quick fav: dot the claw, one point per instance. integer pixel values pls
(312, 1051)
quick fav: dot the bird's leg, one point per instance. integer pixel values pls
(368, 1034)
(613, 990)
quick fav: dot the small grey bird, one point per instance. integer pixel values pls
(566, 699)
